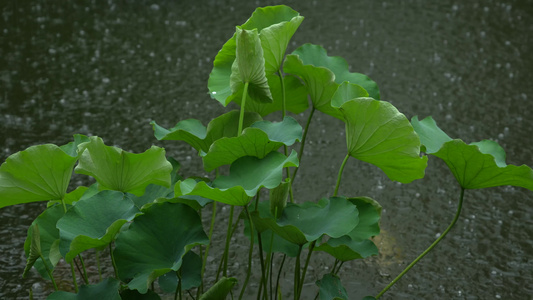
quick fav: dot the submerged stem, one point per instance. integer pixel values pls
(340, 175)
(243, 106)
(429, 248)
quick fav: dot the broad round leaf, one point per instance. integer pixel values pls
(475, 166)
(369, 217)
(156, 242)
(108, 289)
(116, 169)
(258, 140)
(39, 173)
(317, 56)
(376, 132)
(331, 288)
(94, 222)
(346, 249)
(198, 136)
(346, 92)
(49, 239)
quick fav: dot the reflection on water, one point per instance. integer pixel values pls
(107, 69)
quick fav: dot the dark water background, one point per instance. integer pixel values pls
(107, 68)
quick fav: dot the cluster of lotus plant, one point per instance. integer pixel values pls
(149, 217)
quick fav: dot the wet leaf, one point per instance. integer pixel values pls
(72, 147)
(94, 222)
(475, 166)
(49, 239)
(258, 140)
(317, 56)
(376, 132)
(331, 288)
(247, 175)
(108, 289)
(156, 242)
(280, 22)
(249, 67)
(198, 136)
(39, 173)
(220, 290)
(190, 274)
(116, 169)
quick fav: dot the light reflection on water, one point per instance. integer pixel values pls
(108, 69)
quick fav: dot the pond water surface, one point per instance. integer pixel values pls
(107, 68)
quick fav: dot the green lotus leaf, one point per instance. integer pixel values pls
(220, 289)
(317, 56)
(39, 173)
(198, 136)
(71, 197)
(116, 169)
(377, 133)
(258, 140)
(108, 289)
(94, 222)
(475, 166)
(280, 22)
(295, 97)
(72, 147)
(431, 136)
(331, 288)
(247, 175)
(319, 81)
(156, 242)
(302, 223)
(154, 192)
(190, 274)
(345, 249)
(49, 239)
(249, 67)
(35, 249)
(369, 217)
(346, 92)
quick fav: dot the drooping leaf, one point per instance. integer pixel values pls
(39, 173)
(317, 56)
(331, 288)
(108, 289)
(475, 166)
(247, 175)
(72, 147)
(116, 169)
(258, 140)
(94, 222)
(249, 67)
(369, 217)
(220, 289)
(191, 276)
(280, 23)
(156, 242)
(198, 136)
(377, 133)
(49, 239)
(35, 249)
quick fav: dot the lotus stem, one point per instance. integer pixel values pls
(74, 281)
(48, 271)
(228, 237)
(429, 248)
(302, 143)
(279, 275)
(311, 247)
(113, 260)
(340, 175)
(204, 261)
(85, 277)
(250, 253)
(297, 274)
